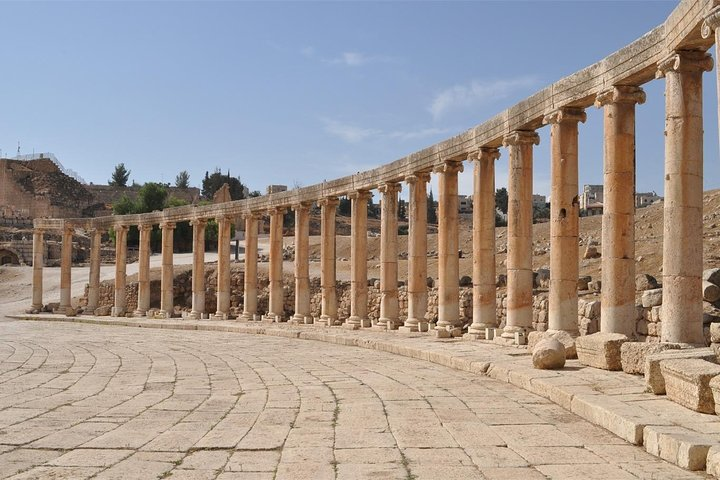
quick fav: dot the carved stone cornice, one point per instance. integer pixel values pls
(566, 115)
(418, 177)
(486, 153)
(684, 61)
(521, 137)
(390, 188)
(620, 94)
(168, 225)
(711, 23)
(276, 211)
(449, 166)
(329, 202)
(362, 195)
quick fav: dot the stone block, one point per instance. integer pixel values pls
(712, 275)
(600, 350)
(687, 382)
(712, 465)
(592, 310)
(632, 354)
(711, 292)
(562, 336)
(548, 354)
(103, 311)
(583, 282)
(654, 380)
(643, 282)
(678, 445)
(652, 298)
(715, 332)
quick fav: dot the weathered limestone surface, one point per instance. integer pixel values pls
(120, 306)
(94, 275)
(548, 354)
(302, 262)
(632, 354)
(417, 254)
(167, 274)
(567, 340)
(328, 314)
(389, 304)
(65, 270)
(654, 380)
(600, 350)
(687, 382)
(448, 261)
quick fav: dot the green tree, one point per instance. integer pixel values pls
(120, 176)
(345, 207)
(254, 193)
(124, 206)
(431, 206)
(501, 200)
(152, 196)
(182, 180)
(212, 182)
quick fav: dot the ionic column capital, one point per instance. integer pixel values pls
(328, 202)
(301, 206)
(685, 61)
(252, 215)
(360, 195)
(276, 211)
(449, 166)
(566, 115)
(97, 230)
(144, 227)
(200, 222)
(168, 225)
(121, 227)
(390, 188)
(711, 23)
(486, 153)
(418, 177)
(620, 94)
(521, 137)
(68, 229)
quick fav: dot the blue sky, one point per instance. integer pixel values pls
(294, 93)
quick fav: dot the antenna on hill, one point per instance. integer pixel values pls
(18, 148)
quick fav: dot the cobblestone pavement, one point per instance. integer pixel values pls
(85, 401)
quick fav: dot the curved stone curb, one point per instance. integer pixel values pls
(612, 400)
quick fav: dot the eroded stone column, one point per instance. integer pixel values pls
(143, 302)
(519, 232)
(448, 245)
(484, 301)
(275, 307)
(167, 274)
(251, 260)
(618, 221)
(302, 263)
(564, 219)
(417, 253)
(198, 269)
(120, 307)
(358, 260)
(38, 262)
(389, 303)
(328, 309)
(65, 270)
(94, 276)
(682, 307)
(222, 309)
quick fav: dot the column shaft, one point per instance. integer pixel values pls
(682, 308)
(302, 263)
(65, 270)
(167, 274)
(275, 307)
(94, 276)
(618, 222)
(198, 270)
(120, 308)
(519, 232)
(448, 245)
(484, 301)
(358, 260)
(223, 269)
(250, 282)
(564, 219)
(143, 304)
(38, 262)
(389, 303)
(417, 252)
(328, 310)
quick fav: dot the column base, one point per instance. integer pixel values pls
(248, 317)
(219, 316)
(163, 314)
(140, 313)
(451, 332)
(309, 320)
(325, 320)
(350, 326)
(297, 319)
(197, 316)
(35, 309)
(116, 312)
(479, 331)
(413, 328)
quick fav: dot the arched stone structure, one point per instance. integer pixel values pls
(9, 257)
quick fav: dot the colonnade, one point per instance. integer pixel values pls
(682, 249)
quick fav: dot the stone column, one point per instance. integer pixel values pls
(617, 296)
(167, 274)
(275, 307)
(389, 303)
(223, 269)
(94, 277)
(65, 270)
(198, 269)
(358, 261)
(143, 302)
(38, 262)
(682, 308)
(448, 245)
(302, 263)
(328, 310)
(417, 254)
(564, 219)
(484, 301)
(709, 26)
(251, 260)
(519, 232)
(120, 307)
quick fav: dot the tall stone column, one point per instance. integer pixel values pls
(328, 309)
(38, 262)
(358, 261)
(564, 219)
(223, 269)
(302, 263)
(198, 269)
(275, 307)
(251, 261)
(167, 274)
(484, 287)
(94, 277)
(519, 232)
(448, 245)
(389, 303)
(65, 270)
(120, 308)
(143, 304)
(417, 253)
(709, 26)
(682, 308)
(617, 297)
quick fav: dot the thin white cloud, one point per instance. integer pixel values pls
(476, 93)
(354, 134)
(415, 134)
(348, 59)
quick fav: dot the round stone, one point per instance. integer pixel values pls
(549, 354)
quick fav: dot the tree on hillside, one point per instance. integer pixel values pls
(212, 182)
(344, 207)
(152, 196)
(431, 212)
(182, 180)
(124, 206)
(501, 200)
(120, 176)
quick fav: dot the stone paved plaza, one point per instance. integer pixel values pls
(86, 401)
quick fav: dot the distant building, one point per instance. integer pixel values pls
(591, 197)
(276, 189)
(645, 199)
(539, 200)
(465, 204)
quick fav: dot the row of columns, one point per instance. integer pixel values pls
(682, 248)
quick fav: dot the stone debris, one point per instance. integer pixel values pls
(643, 281)
(654, 381)
(652, 298)
(600, 350)
(548, 354)
(632, 354)
(687, 382)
